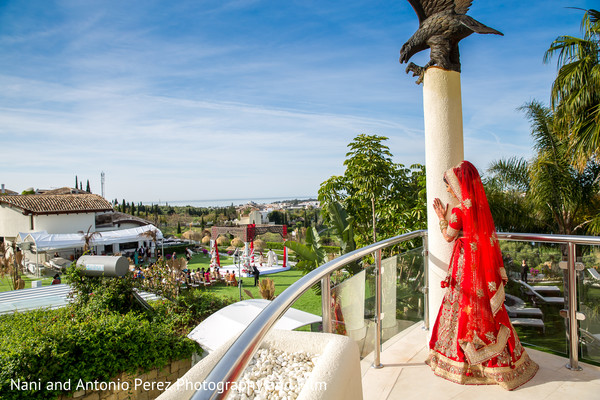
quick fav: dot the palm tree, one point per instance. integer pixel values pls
(87, 238)
(575, 95)
(553, 192)
(151, 234)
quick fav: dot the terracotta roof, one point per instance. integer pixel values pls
(57, 203)
(62, 190)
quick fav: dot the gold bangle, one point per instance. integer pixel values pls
(443, 224)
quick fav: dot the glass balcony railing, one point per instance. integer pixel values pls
(375, 292)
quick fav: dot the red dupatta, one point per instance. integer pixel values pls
(484, 326)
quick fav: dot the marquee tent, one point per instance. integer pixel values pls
(44, 241)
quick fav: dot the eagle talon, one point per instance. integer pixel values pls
(417, 71)
(442, 24)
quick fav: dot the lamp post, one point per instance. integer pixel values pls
(236, 261)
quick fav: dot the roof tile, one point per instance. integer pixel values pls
(57, 204)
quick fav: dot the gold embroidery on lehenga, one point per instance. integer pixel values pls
(467, 203)
(453, 218)
(490, 336)
(507, 377)
(492, 286)
(497, 300)
(475, 356)
(480, 293)
(504, 357)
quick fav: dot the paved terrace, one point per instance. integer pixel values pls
(405, 376)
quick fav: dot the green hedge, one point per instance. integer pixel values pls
(279, 246)
(53, 346)
(274, 245)
(179, 249)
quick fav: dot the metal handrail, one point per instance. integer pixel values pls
(548, 238)
(237, 357)
(571, 241)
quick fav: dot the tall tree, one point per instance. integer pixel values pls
(87, 188)
(557, 195)
(375, 188)
(575, 95)
(76, 182)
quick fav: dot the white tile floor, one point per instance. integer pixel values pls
(405, 376)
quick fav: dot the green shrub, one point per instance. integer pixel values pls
(60, 346)
(102, 333)
(274, 245)
(189, 309)
(279, 246)
(96, 294)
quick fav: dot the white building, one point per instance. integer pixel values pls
(59, 218)
(64, 213)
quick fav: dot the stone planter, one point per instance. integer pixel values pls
(336, 374)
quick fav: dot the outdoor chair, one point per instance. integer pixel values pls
(537, 297)
(595, 277)
(521, 312)
(529, 322)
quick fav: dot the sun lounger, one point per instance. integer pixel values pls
(594, 273)
(538, 297)
(529, 322)
(513, 301)
(517, 312)
(590, 339)
(547, 290)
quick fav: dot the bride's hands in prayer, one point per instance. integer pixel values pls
(440, 209)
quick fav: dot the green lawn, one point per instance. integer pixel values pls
(309, 301)
(5, 282)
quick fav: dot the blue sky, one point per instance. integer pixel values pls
(202, 99)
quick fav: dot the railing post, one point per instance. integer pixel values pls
(378, 296)
(326, 303)
(426, 280)
(573, 332)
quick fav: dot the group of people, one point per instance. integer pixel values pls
(142, 255)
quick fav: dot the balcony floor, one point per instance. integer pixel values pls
(405, 376)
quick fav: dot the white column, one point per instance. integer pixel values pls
(443, 149)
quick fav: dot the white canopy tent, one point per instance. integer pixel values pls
(230, 321)
(44, 241)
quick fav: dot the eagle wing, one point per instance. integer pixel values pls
(426, 8)
(462, 6)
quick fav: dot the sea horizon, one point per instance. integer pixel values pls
(227, 202)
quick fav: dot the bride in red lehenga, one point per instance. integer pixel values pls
(473, 341)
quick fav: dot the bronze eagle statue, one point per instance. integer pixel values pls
(442, 24)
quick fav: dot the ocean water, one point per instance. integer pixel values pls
(227, 202)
